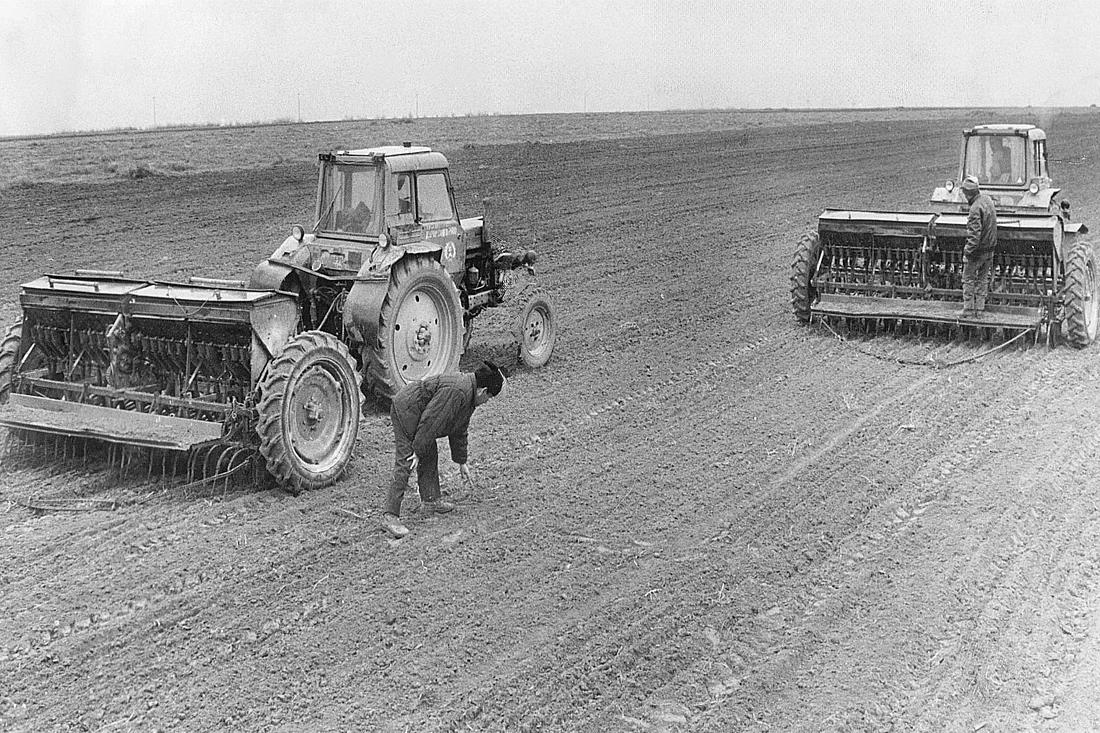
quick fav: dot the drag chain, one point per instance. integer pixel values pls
(928, 364)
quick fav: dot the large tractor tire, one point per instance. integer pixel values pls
(309, 412)
(536, 330)
(420, 328)
(9, 352)
(803, 269)
(1080, 300)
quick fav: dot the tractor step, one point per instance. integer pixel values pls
(125, 427)
(932, 311)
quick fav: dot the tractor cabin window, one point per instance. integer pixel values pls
(433, 199)
(997, 160)
(1041, 158)
(352, 199)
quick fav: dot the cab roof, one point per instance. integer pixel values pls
(398, 158)
(1029, 131)
(386, 151)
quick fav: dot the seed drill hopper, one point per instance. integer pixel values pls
(218, 375)
(872, 270)
(167, 371)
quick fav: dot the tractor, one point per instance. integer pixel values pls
(218, 374)
(870, 270)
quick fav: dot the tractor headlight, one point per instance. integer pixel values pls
(950, 185)
(1033, 188)
(298, 233)
(383, 240)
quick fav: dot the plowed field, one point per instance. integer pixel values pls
(699, 516)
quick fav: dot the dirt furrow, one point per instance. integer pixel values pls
(699, 516)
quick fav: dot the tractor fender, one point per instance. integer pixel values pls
(1040, 200)
(420, 248)
(272, 273)
(364, 302)
(362, 307)
(1072, 234)
(383, 258)
(269, 275)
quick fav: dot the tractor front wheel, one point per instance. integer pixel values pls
(309, 412)
(803, 269)
(536, 330)
(1081, 301)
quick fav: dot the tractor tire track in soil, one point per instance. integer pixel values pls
(699, 516)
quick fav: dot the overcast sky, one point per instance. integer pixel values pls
(99, 64)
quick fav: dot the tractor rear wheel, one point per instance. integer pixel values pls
(420, 329)
(309, 411)
(9, 352)
(803, 269)
(536, 330)
(1081, 301)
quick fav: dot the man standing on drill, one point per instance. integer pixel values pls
(981, 242)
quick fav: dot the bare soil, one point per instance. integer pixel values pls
(699, 516)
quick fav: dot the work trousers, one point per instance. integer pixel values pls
(977, 273)
(427, 467)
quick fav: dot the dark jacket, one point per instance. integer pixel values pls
(439, 406)
(981, 226)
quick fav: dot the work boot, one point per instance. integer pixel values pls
(392, 524)
(439, 506)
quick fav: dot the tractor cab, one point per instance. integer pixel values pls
(1010, 163)
(373, 206)
(372, 192)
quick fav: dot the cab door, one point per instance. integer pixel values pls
(435, 212)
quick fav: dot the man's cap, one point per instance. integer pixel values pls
(970, 184)
(490, 376)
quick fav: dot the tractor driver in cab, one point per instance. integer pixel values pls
(1000, 162)
(355, 220)
(404, 194)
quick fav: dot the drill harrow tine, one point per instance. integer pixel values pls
(200, 462)
(224, 462)
(191, 458)
(201, 468)
(244, 454)
(210, 465)
(211, 461)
